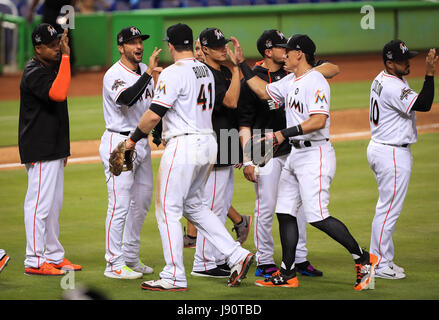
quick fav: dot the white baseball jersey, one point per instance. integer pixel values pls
(185, 95)
(130, 193)
(392, 120)
(303, 96)
(393, 127)
(118, 78)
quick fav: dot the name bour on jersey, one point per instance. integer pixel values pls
(201, 71)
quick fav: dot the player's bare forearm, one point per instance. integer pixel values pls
(328, 69)
(244, 135)
(313, 123)
(232, 95)
(258, 86)
(148, 121)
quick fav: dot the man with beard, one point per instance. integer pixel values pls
(128, 89)
(392, 119)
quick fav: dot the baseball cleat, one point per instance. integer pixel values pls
(389, 273)
(46, 269)
(160, 285)
(123, 273)
(140, 267)
(266, 270)
(224, 267)
(212, 273)
(66, 265)
(4, 262)
(398, 268)
(242, 229)
(239, 270)
(365, 274)
(306, 269)
(278, 279)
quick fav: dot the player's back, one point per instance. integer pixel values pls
(187, 88)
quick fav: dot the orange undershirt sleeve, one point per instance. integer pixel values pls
(60, 87)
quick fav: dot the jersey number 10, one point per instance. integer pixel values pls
(374, 112)
(202, 100)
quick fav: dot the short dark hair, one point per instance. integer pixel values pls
(310, 59)
(184, 47)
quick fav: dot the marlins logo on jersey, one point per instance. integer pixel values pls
(320, 96)
(117, 83)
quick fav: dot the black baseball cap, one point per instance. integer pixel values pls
(396, 50)
(300, 42)
(269, 39)
(213, 38)
(44, 33)
(179, 34)
(129, 33)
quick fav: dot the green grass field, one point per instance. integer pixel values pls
(353, 198)
(87, 121)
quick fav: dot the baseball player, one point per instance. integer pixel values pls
(265, 114)
(128, 88)
(393, 129)
(44, 146)
(310, 166)
(241, 223)
(184, 99)
(4, 259)
(208, 262)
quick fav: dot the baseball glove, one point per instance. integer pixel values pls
(121, 159)
(260, 148)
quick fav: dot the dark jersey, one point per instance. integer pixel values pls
(43, 130)
(256, 113)
(225, 119)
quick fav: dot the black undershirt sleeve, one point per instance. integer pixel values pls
(132, 94)
(425, 98)
(158, 109)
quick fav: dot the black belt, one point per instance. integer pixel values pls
(405, 145)
(125, 133)
(297, 143)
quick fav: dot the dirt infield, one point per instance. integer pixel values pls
(345, 125)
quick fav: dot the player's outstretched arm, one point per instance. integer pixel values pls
(148, 121)
(313, 123)
(328, 69)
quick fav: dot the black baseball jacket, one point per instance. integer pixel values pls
(43, 130)
(255, 113)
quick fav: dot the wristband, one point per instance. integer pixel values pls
(292, 131)
(246, 71)
(137, 135)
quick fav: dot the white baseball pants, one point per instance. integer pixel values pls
(266, 189)
(184, 168)
(129, 198)
(42, 205)
(305, 181)
(392, 168)
(218, 194)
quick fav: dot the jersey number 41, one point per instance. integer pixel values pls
(202, 100)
